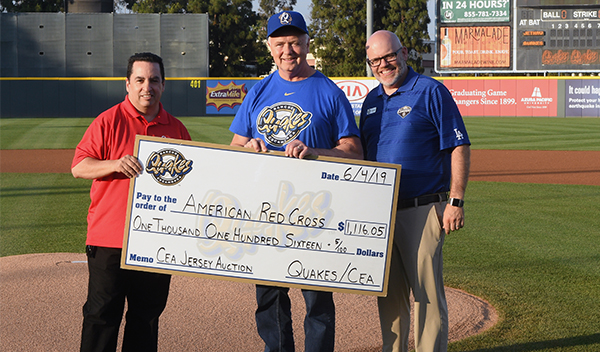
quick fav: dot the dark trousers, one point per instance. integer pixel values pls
(274, 319)
(108, 287)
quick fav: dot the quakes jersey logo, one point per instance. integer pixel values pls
(281, 123)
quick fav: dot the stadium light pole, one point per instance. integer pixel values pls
(369, 30)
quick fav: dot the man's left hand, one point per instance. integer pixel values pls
(454, 218)
(297, 149)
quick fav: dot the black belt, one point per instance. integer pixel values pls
(422, 200)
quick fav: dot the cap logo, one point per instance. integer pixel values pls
(285, 18)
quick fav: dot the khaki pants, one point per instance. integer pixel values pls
(416, 265)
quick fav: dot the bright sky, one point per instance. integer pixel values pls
(303, 6)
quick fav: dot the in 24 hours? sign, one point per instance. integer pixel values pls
(472, 11)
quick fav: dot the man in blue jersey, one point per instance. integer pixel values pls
(301, 112)
(412, 120)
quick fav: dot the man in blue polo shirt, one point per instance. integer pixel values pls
(412, 120)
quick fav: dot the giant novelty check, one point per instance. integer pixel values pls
(230, 213)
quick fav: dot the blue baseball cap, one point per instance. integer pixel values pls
(285, 19)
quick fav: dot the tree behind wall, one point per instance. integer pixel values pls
(339, 32)
(32, 6)
(236, 50)
(409, 20)
(270, 7)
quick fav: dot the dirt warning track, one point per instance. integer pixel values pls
(521, 166)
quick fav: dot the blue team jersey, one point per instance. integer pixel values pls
(417, 127)
(313, 110)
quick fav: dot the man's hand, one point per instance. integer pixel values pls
(346, 147)
(129, 166)
(90, 168)
(454, 218)
(297, 149)
(257, 144)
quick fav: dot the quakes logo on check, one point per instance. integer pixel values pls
(168, 166)
(281, 123)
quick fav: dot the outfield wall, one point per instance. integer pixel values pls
(43, 44)
(475, 96)
(88, 97)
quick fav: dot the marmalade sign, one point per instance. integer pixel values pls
(475, 47)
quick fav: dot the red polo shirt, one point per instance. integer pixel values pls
(112, 136)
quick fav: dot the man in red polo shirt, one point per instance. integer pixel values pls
(104, 155)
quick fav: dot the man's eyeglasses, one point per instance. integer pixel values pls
(388, 58)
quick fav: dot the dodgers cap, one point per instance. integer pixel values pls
(284, 19)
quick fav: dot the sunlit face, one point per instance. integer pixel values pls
(289, 50)
(389, 73)
(145, 87)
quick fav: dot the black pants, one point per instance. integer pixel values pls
(108, 287)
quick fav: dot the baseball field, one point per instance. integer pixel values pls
(530, 247)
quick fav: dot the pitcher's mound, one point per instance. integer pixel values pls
(42, 296)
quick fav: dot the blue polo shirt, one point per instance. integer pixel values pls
(417, 126)
(313, 110)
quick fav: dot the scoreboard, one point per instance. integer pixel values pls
(545, 36)
(558, 38)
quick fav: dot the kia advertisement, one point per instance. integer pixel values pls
(356, 90)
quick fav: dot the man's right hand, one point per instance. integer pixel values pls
(255, 143)
(90, 168)
(129, 166)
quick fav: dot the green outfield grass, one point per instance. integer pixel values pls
(42, 213)
(531, 250)
(534, 133)
(65, 133)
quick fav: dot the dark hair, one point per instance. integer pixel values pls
(148, 57)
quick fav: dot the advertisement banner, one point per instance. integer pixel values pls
(356, 90)
(475, 47)
(461, 11)
(582, 98)
(223, 97)
(505, 97)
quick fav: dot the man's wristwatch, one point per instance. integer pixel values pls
(456, 202)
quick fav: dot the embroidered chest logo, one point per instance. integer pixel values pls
(168, 166)
(403, 111)
(281, 123)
